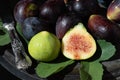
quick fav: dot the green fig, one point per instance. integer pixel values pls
(44, 46)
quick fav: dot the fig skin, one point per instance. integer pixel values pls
(42, 46)
(78, 44)
(113, 11)
(64, 23)
(50, 10)
(102, 28)
(84, 8)
(33, 25)
(24, 9)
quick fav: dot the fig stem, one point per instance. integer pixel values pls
(22, 60)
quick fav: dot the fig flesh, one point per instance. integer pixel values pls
(78, 44)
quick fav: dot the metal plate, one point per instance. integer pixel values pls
(111, 68)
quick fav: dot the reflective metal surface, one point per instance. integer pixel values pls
(111, 69)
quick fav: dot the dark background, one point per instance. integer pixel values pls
(5, 75)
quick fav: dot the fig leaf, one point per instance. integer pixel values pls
(108, 50)
(44, 70)
(4, 36)
(91, 70)
(88, 69)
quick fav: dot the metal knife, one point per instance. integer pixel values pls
(22, 60)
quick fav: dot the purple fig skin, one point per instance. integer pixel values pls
(102, 28)
(64, 23)
(84, 8)
(51, 9)
(33, 25)
(113, 11)
(24, 9)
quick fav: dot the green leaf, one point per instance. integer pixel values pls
(84, 75)
(4, 39)
(108, 50)
(4, 36)
(44, 70)
(91, 70)
(19, 30)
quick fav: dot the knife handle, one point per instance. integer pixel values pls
(22, 60)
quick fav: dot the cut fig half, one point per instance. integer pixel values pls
(78, 44)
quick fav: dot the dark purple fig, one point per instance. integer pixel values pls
(33, 25)
(102, 28)
(51, 9)
(113, 11)
(84, 8)
(64, 23)
(24, 9)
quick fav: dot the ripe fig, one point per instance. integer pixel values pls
(64, 23)
(78, 44)
(102, 28)
(33, 25)
(83, 7)
(51, 9)
(113, 11)
(24, 9)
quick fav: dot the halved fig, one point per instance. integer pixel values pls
(78, 43)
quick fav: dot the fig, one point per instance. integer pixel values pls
(102, 28)
(33, 25)
(78, 43)
(51, 9)
(64, 23)
(44, 46)
(113, 11)
(83, 7)
(24, 9)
